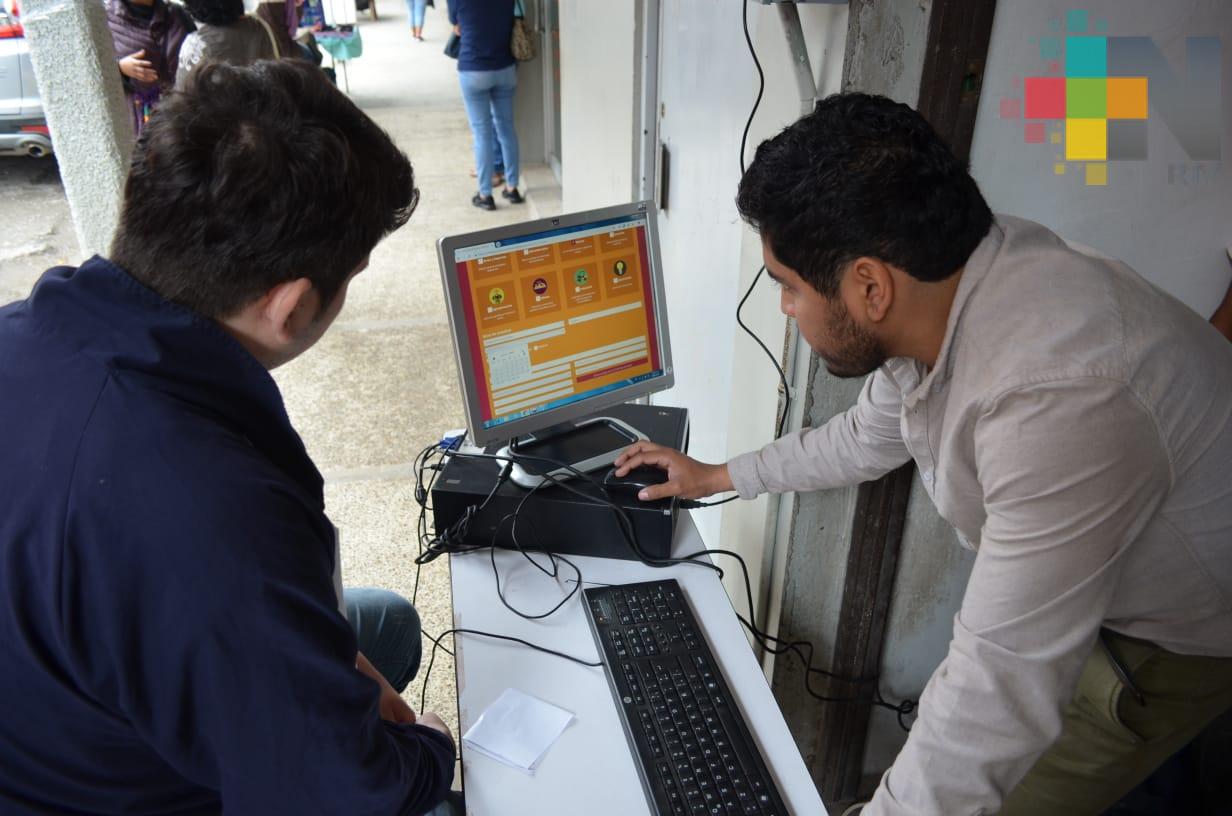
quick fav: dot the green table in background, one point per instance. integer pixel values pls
(342, 47)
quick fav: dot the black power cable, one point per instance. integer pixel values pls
(906, 707)
(436, 644)
(454, 543)
(744, 138)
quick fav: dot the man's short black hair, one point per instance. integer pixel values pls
(215, 12)
(256, 176)
(863, 176)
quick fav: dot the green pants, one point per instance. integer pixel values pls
(1111, 741)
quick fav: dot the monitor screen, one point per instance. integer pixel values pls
(554, 314)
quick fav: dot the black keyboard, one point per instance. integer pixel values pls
(693, 750)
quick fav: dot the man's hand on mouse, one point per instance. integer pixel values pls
(686, 478)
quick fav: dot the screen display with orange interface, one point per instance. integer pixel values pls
(558, 316)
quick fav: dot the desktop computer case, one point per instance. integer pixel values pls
(554, 519)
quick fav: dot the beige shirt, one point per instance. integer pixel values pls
(1075, 431)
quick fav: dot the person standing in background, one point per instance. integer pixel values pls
(147, 35)
(224, 34)
(489, 77)
(283, 19)
(498, 163)
(415, 13)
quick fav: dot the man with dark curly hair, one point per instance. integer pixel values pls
(174, 635)
(1070, 420)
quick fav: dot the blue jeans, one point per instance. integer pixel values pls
(415, 11)
(488, 96)
(387, 628)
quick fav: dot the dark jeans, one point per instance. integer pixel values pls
(388, 630)
(387, 627)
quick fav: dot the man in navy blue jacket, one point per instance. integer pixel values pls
(170, 634)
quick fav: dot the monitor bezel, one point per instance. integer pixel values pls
(447, 246)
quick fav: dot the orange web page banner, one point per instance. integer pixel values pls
(558, 321)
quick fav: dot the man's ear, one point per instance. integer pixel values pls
(288, 307)
(873, 287)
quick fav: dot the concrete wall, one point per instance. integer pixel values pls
(885, 54)
(1171, 230)
(1167, 216)
(597, 48)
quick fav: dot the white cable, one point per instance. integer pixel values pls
(854, 808)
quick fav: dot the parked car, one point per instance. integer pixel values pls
(23, 127)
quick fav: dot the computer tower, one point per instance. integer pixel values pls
(554, 519)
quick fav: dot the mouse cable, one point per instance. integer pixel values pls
(690, 504)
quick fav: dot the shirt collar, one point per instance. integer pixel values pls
(974, 271)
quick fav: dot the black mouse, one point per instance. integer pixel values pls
(635, 480)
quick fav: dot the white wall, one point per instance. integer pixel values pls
(597, 102)
(754, 388)
(708, 84)
(1172, 233)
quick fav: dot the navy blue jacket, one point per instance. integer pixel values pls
(487, 26)
(170, 641)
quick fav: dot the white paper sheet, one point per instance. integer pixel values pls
(517, 729)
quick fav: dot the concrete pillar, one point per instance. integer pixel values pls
(74, 62)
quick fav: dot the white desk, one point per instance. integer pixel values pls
(589, 771)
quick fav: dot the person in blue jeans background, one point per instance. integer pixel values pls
(415, 13)
(489, 77)
(498, 163)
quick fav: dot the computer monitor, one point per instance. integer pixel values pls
(553, 321)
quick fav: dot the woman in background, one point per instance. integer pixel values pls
(415, 13)
(224, 34)
(489, 78)
(147, 35)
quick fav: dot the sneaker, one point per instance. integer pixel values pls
(512, 196)
(483, 202)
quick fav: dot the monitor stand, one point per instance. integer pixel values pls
(586, 445)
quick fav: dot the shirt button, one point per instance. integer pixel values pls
(927, 475)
